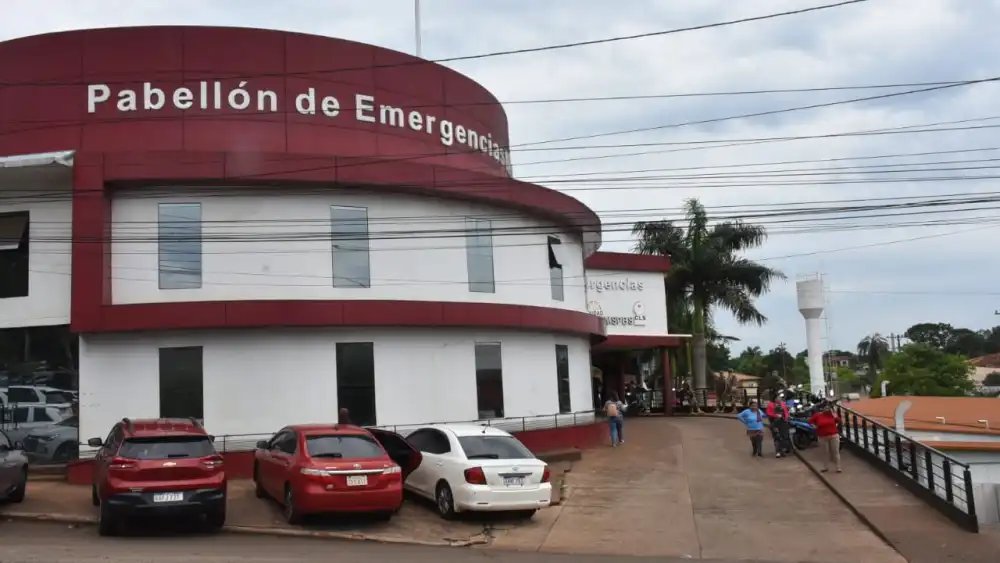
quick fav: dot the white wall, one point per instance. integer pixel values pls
(46, 194)
(618, 303)
(256, 381)
(415, 266)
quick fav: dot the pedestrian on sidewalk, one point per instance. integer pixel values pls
(614, 411)
(754, 419)
(827, 425)
(777, 414)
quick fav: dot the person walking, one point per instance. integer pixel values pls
(614, 411)
(777, 414)
(754, 419)
(827, 425)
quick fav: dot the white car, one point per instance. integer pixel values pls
(477, 468)
(38, 394)
(21, 420)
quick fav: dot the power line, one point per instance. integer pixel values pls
(872, 245)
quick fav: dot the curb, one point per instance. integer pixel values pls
(857, 512)
(261, 531)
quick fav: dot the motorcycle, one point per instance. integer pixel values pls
(635, 403)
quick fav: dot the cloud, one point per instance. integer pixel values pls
(874, 42)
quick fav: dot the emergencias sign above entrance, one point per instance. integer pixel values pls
(631, 303)
(211, 95)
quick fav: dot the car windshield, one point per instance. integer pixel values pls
(164, 447)
(73, 421)
(57, 397)
(22, 395)
(351, 446)
(494, 447)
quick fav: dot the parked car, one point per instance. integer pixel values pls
(158, 467)
(13, 470)
(21, 420)
(324, 468)
(55, 443)
(477, 468)
(37, 394)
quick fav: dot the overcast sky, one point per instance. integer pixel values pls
(948, 274)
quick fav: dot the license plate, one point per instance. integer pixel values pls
(513, 481)
(357, 480)
(168, 497)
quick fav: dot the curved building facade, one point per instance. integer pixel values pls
(259, 227)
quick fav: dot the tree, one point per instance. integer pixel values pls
(872, 350)
(847, 379)
(779, 361)
(919, 369)
(708, 271)
(718, 356)
(992, 379)
(935, 335)
(966, 342)
(751, 362)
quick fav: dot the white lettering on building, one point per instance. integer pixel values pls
(614, 285)
(243, 97)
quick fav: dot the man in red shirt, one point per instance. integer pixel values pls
(827, 424)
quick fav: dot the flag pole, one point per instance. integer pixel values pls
(416, 23)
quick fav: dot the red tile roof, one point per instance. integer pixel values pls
(961, 414)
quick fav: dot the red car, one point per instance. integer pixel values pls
(315, 468)
(158, 467)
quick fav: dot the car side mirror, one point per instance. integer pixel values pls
(95, 442)
(262, 445)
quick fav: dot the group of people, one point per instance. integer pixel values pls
(776, 415)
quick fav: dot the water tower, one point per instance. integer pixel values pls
(811, 301)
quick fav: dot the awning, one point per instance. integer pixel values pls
(61, 158)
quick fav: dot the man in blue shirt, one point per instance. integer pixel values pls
(754, 419)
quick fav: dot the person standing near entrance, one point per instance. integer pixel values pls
(754, 419)
(614, 411)
(777, 414)
(827, 425)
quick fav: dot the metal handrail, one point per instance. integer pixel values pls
(884, 446)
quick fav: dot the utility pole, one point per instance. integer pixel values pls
(781, 351)
(416, 23)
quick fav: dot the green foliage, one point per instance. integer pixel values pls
(779, 361)
(751, 362)
(919, 369)
(935, 335)
(872, 350)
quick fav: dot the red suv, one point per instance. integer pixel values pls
(334, 468)
(158, 467)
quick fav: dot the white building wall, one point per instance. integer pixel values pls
(256, 381)
(424, 260)
(631, 303)
(45, 193)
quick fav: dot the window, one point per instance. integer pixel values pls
(351, 267)
(42, 415)
(494, 447)
(56, 398)
(562, 376)
(479, 253)
(181, 382)
(14, 255)
(22, 395)
(489, 380)
(555, 270)
(21, 414)
(286, 442)
(356, 381)
(164, 447)
(343, 446)
(429, 441)
(180, 245)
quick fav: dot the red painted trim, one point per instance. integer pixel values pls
(239, 465)
(628, 262)
(626, 341)
(356, 313)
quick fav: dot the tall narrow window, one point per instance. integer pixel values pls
(180, 245)
(14, 255)
(479, 252)
(181, 390)
(555, 269)
(356, 381)
(562, 376)
(489, 380)
(351, 265)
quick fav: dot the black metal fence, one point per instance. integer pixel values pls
(941, 480)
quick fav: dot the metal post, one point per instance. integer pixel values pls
(885, 444)
(913, 462)
(929, 467)
(864, 432)
(875, 440)
(970, 501)
(948, 493)
(854, 417)
(899, 453)
(416, 23)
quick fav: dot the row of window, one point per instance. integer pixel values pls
(181, 381)
(180, 250)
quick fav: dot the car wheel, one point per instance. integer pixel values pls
(107, 525)
(445, 501)
(96, 500)
(383, 516)
(66, 452)
(18, 494)
(215, 520)
(258, 489)
(292, 515)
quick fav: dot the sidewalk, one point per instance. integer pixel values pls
(919, 532)
(687, 487)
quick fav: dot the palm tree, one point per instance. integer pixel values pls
(707, 270)
(872, 350)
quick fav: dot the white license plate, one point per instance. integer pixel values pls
(168, 497)
(357, 480)
(513, 481)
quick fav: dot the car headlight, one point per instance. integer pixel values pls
(43, 438)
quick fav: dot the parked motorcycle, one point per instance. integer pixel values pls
(635, 403)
